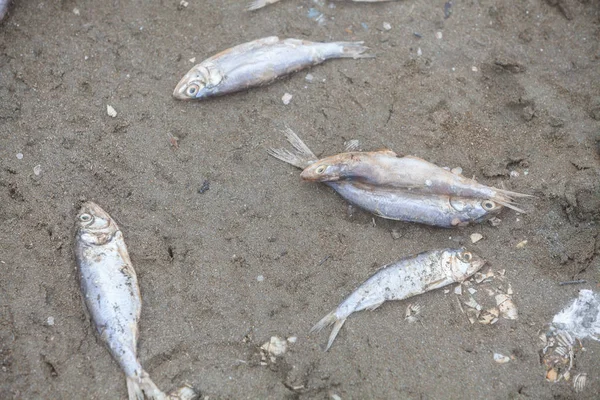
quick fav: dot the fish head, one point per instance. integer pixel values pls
(198, 83)
(464, 263)
(95, 225)
(328, 169)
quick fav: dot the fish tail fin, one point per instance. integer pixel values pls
(301, 157)
(257, 4)
(352, 50)
(512, 195)
(334, 332)
(140, 388)
(508, 203)
(329, 319)
(134, 390)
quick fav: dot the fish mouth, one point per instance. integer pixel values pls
(179, 92)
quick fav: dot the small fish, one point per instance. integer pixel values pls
(258, 63)
(112, 296)
(393, 203)
(4, 8)
(257, 4)
(403, 279)
(385, 168)
(401, 205)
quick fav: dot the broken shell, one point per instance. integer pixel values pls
(552, 375)
(472, 315)
(472, 303)
(476, 237)
(489, 316)
(275, 347)
(579, 382)
(500, 358)
(508, 309)
(522, 244)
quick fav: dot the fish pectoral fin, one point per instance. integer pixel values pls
(435, 285)
(387, 152)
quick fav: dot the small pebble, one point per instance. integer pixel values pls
(335, 397)
(495, 221)
(476, 237)
(76, 11)
(287, 98)
(474, 68)
(184, 3)
(50, 321)
(458, 290)
(439, 35)
(193, 60)
(419, 52)
(260, 278)
(309, 78)
(292, 339)
(111, 111)
(387, 26)
(501, 359)
(522, 244)
(37, 170)
(514, 174)
(19, 156)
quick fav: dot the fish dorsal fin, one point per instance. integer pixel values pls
(387, 152)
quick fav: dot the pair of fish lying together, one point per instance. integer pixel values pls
(112, 296)
(400, 188)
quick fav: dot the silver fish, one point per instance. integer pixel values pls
(436, 210)
(385, 168)
(403, 279)
(258, 63)
(393, 203)
(112, 296)
(3, 8)
(257, 4)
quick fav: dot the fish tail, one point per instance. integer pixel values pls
(334, 332)
(512, 195)
(140, 388)
(301, 157)
(351, 50)
(257, 4)
(329, 319)
(134, 390)
(508, 203)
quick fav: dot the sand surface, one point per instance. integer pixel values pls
(496, 88)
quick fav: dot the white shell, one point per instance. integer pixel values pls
(579, 382)
(500, 358)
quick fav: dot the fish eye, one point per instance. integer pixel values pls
(467, 256)
(320, 170)
(192, 90)
(488, 205)
(85, 217)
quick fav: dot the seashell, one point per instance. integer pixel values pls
(579, 382)
(552, 375)
(275, 347)
(500, 358)
(489, 316)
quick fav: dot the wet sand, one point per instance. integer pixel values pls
(495, 88)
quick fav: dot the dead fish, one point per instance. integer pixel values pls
(257, 4)
(403, 279)
(385, 168)
(3, 8)
(393, 203)
(433, 209)
(112, 296)
(258, 63)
